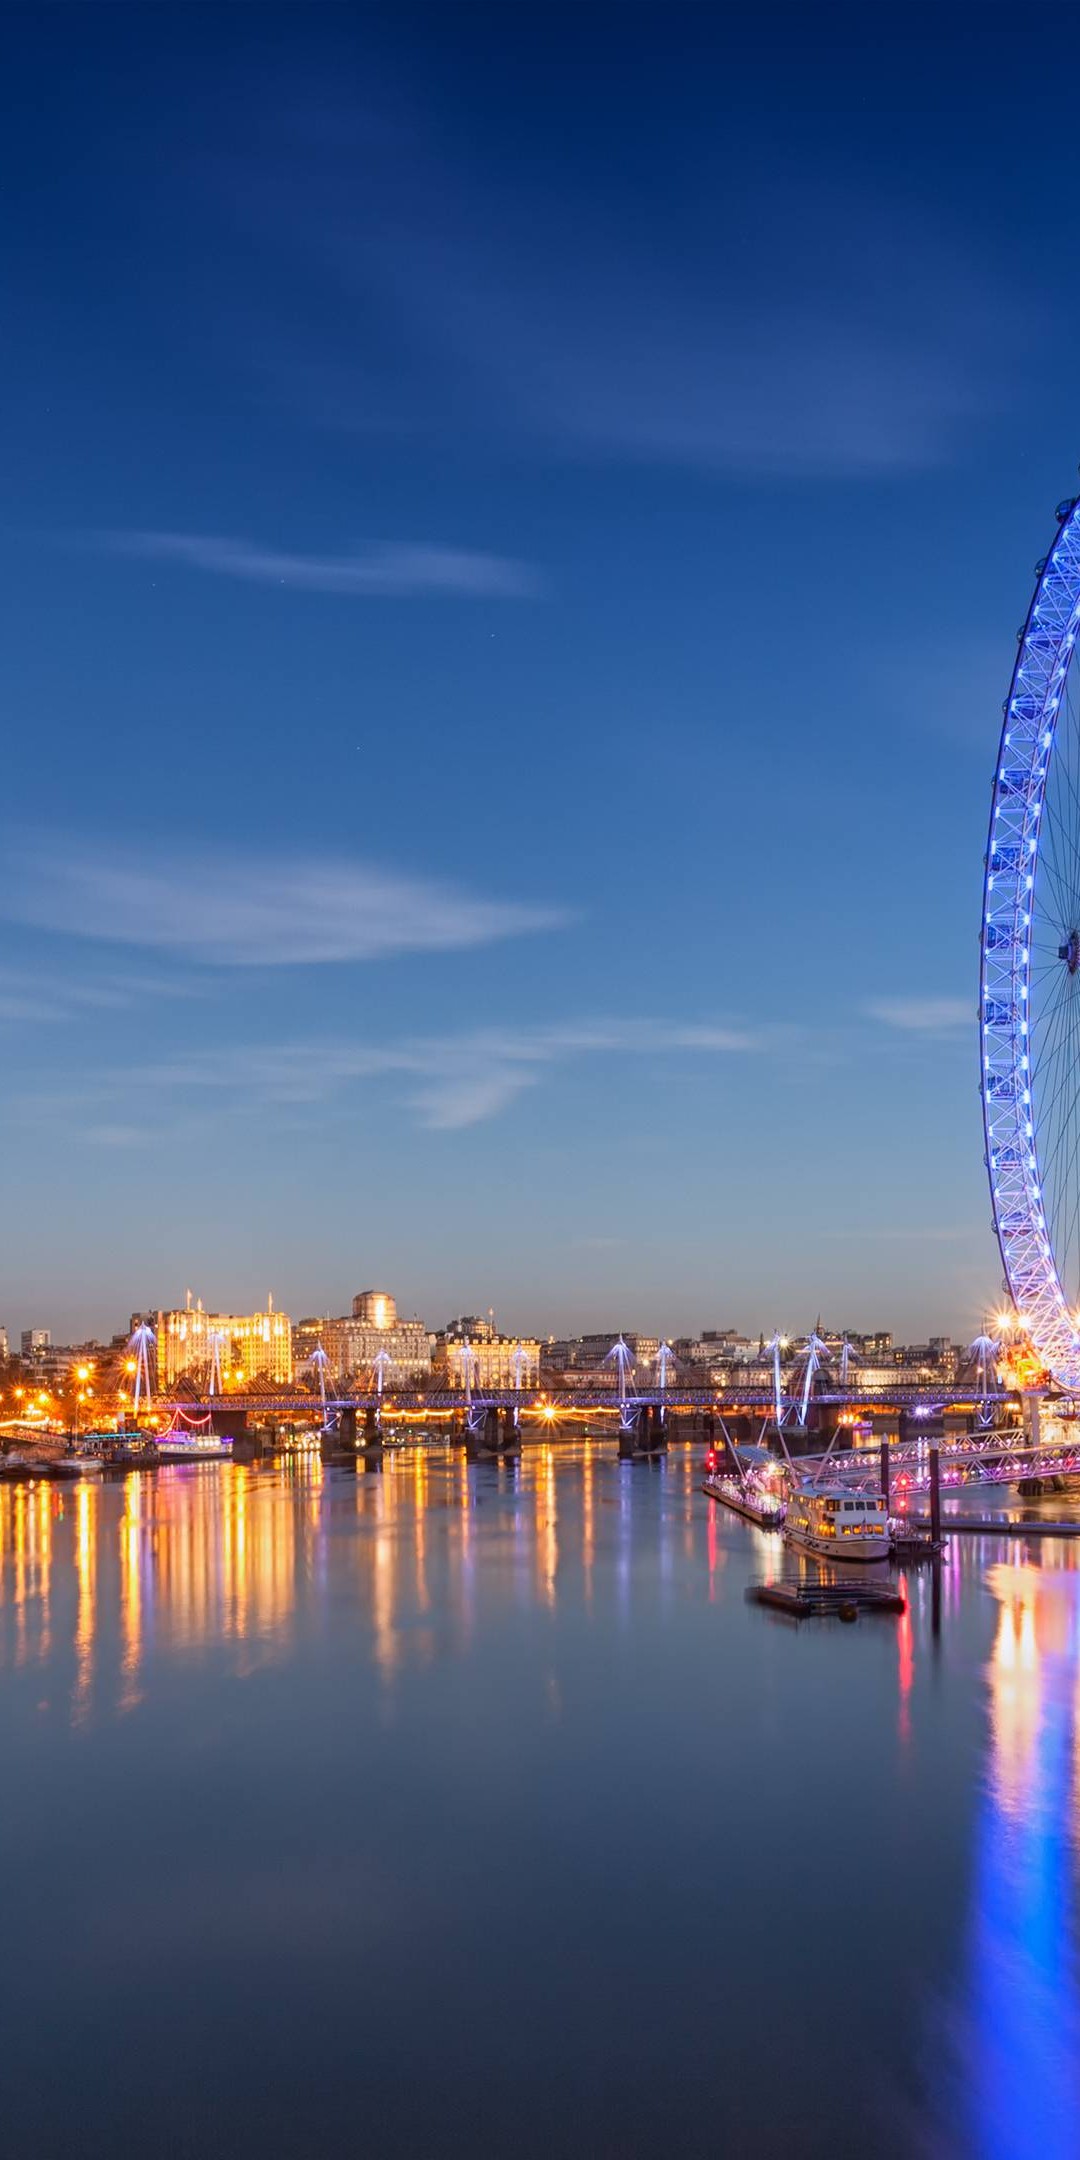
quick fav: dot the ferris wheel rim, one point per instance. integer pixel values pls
(1015, 1154)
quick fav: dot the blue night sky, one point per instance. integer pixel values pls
(514, 524)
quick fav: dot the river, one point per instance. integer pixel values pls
(440, 1809)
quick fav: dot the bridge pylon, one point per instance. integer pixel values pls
(1031, 1402)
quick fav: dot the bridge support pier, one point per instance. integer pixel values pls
(1031, 1404)
(885, 1474)
(910, 1427)
(346, 1428)
(644, 1435)
(935, 1496)
(232, 1424)
(495, 1432)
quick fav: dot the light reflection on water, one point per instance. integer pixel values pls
(218, 1554)
(431, 1735)
(1018, 2030)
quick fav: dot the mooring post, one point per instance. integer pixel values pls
(935, 1496)
(885, 1474)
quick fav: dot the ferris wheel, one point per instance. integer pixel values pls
(1030, 975)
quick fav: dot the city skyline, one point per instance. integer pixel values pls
(307, 1326)
(436, 799)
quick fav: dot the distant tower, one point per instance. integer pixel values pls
(374, 1308)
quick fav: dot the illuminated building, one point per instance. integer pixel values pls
(352, 1344)
(374, 1309)
(495, 1361)
(244, 1346)
(589, 1352)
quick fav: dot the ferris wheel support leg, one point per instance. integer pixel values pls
(1032, 1402)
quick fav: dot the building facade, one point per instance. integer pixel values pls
(233, 1347)
(354, 1343)
(472, 1346)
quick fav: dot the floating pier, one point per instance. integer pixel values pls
(988, 1526)
(818, 1600)
(915, 1542)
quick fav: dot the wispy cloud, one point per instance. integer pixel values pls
(786, 320)
(385, 570)
(236, 913)
(32, 994)
(924, 1015)
(450, 1081)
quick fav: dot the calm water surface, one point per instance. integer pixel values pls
(458, 1809)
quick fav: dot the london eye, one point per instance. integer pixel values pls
(1029, 1013)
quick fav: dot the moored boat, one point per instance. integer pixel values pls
(14, 1465)
(747, 1482)
(748, 1487)
(761, 1508)
(79, 1462)
(189, 1447)
(834, 1523)
(129, 1451)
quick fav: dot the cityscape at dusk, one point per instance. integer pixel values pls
(540, 1028)
(460, 838)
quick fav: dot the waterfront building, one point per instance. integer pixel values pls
(353, 1343)
(716, 1346)
(374, 1309)
(243, 1346)
(496, 1361)
(585, 1353)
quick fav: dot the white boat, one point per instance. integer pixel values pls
(836, 1524)
(180, 1447)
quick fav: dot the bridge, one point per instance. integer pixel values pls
(994, 1458)
(816, 1392)
(564, 1401)
(492, 1419)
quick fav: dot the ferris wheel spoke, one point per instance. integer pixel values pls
(1061, 803)
(1070, 769)
(1063, 863)
(1047, 872)
(1063, 770)
(1047, 1085)
(1046, 963)
(1068, 1217)
(1047, 1081)
(1049, 862)
(1063, 1085)
(1044, 1027)
(1062, 1203)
